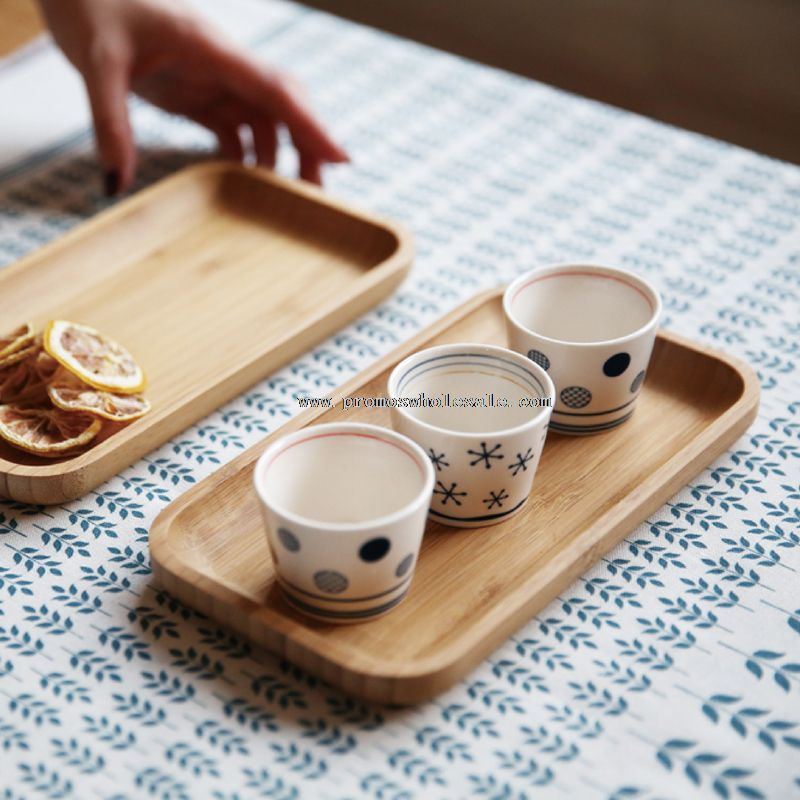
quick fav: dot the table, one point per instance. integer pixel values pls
(672, 669)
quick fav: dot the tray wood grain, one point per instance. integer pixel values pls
(212, 278)
(472, 588)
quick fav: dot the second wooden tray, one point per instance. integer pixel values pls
(212, 278)
(472, 588)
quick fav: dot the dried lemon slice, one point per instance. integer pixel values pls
(26, 382)
(68, 393)
(93, 358)
(48, 432)
(16, 340)
(18, 356)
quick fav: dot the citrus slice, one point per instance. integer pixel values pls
(48, 432)
(16, 340)
(26, 382)
(69, 394)
(45, 366)
(22, 382)
(17, 356)
(93, 358)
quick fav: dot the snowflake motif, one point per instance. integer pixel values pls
(449, 494)
(440, 461)
(521, 463)
(496, 499)
(485, 455)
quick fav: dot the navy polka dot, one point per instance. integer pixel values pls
(404, 566)
(616, 365)
(637, 382)
(288, 540)
(374, 549)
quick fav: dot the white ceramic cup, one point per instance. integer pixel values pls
(485, 455)
(592, 329)
(344, 507)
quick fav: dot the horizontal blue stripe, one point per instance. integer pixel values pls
(516, 370)
(329, 599)
(324, 612)
(484, 518)
(559, 427)
(594, 413)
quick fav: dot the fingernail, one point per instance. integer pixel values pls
(111, 182)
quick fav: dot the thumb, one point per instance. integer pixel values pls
(108, 92)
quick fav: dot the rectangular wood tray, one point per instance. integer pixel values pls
(472, 588)
(212, 278)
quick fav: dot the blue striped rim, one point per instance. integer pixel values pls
(324, 612)
(484, 518)
(594, 413)
(516, 369)
(603, 426)
(328, 599)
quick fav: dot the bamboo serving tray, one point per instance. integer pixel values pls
(212, 278)
(472, 588)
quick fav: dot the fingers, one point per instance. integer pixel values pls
(310, 168)
(230, 143)
(284, 102)
(107, 87)
(273, 95)
(265, 140)
(308, 134)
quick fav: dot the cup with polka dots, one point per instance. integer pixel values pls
(592, 328)
(344, 507)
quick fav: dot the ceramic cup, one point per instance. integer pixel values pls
(480, 413)
(344, 507)
(592, 329)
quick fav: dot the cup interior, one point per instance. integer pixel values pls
(341, 477)
(583, 305)
(469, 389)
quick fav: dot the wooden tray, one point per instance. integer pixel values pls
(212, 278)
(472, 588)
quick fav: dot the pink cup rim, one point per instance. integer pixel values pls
(384, 435)
(644, 287)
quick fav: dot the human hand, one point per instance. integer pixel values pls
(164, 53)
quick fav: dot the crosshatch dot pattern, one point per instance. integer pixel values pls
(576, 397)
(652, 662)
(330, 581)
(538, 357)
(637, 382)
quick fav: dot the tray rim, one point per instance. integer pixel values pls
(439, 668)
(377, 281)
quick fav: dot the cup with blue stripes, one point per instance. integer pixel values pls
(480, 413)
(592, 328)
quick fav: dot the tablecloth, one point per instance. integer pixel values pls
(671, 669)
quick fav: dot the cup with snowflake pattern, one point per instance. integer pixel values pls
(480, 413)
